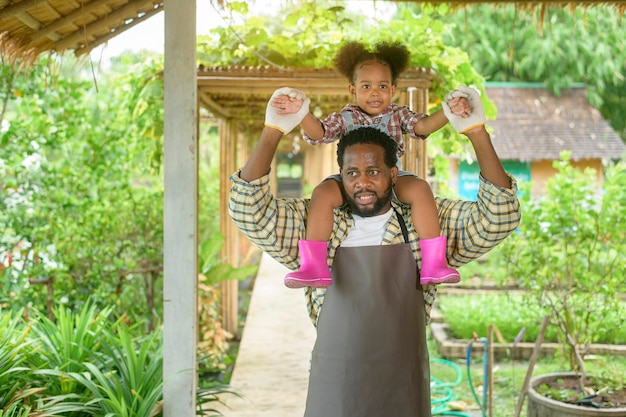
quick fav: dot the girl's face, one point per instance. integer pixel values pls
(372, 89)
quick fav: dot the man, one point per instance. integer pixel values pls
(370, 357)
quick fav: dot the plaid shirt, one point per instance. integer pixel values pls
(401, 121)
(276, 224)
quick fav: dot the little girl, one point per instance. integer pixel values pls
(373, 81)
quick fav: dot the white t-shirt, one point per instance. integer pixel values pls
(367, 231)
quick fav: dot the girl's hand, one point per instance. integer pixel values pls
(461, 118)
(460, 106)
(287, 104)
(276, 114)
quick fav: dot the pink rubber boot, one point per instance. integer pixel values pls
(313, 270)
(434, 266)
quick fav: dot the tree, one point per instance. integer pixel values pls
(559, 47)
(81, 202)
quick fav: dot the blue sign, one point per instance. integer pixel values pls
(468, 176)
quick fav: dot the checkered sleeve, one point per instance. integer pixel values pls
(408, 120)
(273, 224)
(334, 128)
(474, 228)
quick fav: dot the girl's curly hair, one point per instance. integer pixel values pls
(352, 54)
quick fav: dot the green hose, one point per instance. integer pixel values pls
(441, 392)
(468, 360)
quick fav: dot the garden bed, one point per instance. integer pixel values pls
(510, 314)
(450, 348)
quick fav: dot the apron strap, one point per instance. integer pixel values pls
(405, 232)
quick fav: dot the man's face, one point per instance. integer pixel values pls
(367, 180)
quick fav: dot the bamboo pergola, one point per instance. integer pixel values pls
(239, 95)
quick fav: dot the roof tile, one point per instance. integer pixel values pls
(534, 125)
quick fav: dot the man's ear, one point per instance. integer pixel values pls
(394, 174)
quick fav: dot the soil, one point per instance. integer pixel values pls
(606, 399)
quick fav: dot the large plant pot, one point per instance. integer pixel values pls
(540, 406)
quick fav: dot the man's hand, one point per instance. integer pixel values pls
(286, 109)
(473, 119)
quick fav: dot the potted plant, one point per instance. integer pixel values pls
(570, 255)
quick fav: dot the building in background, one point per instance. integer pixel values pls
(531, 130)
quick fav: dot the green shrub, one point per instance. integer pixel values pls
(570, 253)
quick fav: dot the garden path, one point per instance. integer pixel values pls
(271, 372)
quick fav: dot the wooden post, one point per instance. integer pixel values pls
(244, 149)
(319, 162)
(416, 157)
(228, 164)
(180, 211)
(531, 365)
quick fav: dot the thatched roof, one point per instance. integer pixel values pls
(534, 125)
(31, 27)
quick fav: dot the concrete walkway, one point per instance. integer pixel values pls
(272, 368)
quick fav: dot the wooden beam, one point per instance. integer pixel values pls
(18, 8)
(416, 156)
(28, 20)
(312, 84)
(209, 103)
(66, 20)
(79, 37)
(263, 81)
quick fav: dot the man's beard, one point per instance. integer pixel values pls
(376, 208)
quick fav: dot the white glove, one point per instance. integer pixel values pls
(475, 119)
(455, 93)
(286, 122)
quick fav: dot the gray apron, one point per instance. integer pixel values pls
(370, 357)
